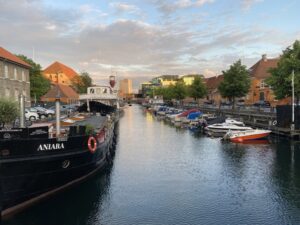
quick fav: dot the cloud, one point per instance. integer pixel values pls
(168, 7)
(124, 7)
(84, 38)
(247, 4)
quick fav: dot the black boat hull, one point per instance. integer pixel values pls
(30, 176)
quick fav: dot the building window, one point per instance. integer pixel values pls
(15, 74)
(7, 91)
(263, 84)
(6, 71)
(23, 76)
(24, 93)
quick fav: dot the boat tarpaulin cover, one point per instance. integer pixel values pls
(194, 115)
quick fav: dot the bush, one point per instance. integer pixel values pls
(9, 110)
(89, 129)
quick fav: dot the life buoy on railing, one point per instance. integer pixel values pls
(274, 123)
(92, 144)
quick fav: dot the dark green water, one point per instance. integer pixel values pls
(162, 175)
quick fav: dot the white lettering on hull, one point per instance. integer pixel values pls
(49, 147)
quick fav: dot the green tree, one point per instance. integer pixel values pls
(8, 110)
(39, 85)
(280, 79)
(236, 82)
(179, 91)
(165, 92)
(82, 82)
(197, 89)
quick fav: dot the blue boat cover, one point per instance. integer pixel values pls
(194, 115)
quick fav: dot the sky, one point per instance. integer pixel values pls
(141, 39)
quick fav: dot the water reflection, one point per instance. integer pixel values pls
(164, 175)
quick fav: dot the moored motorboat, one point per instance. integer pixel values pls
(219, 129)
(247, 135)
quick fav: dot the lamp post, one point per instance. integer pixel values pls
(293, 102)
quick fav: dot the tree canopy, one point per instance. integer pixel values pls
(82, 82)
(179, 90)
(280, 79)
(236, 82)
(39, 85)
(197, 89)
(8, 110)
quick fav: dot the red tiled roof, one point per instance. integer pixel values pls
(213, 82)
(58, 67)
(261, 68)
(65, 92)
(11, 57)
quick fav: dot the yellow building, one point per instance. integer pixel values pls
(125, 90)
(189, 79)
(60, 73)
(165, 80)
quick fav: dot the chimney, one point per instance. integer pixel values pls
(264, 57)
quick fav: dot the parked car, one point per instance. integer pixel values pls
(41, 114)
(262, 104)
(47, 112)
(240, 102)
(65, 108)
(30, 115)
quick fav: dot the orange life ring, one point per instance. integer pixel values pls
(92, 144)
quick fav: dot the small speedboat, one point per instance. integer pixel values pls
(246, 135)
(219, 129)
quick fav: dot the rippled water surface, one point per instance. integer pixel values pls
(163, 175)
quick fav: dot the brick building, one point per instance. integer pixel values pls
(60, 73)
(213, 94)
(259, 90)
(14, 76)
(66, 93)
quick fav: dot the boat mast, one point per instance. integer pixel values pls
(57, 108)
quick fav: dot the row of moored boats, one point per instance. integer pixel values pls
(197, 121)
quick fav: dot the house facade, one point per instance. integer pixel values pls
(213, 94)
(59, 73)
(14, 77)
(259, 89)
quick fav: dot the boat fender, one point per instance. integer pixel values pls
(92, 144)
(274, 123)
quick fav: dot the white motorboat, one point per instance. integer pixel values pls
(246, 135)
(219, 129)
(235, 122)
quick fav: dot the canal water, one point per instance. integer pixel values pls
(163, 175)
